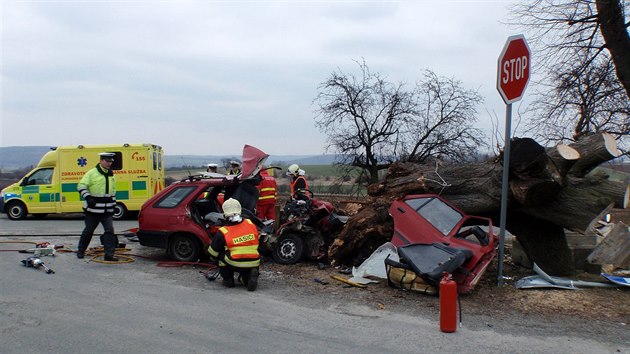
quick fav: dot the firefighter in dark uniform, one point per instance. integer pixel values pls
(235, 247)
(98, 189)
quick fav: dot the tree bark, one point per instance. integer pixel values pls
(594, 149)
(615, 33)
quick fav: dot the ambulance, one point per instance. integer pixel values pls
(51, 187)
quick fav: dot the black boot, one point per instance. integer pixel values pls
(110, 259)
(252, 282)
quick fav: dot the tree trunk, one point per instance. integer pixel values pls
(615, 33)
(548, 195)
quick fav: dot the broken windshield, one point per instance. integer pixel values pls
(439, 214)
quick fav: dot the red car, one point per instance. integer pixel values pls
(179, 218)
(437, 228)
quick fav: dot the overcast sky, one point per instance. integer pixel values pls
(208, 77)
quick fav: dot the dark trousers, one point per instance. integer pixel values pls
(108, 239)
(227, 272)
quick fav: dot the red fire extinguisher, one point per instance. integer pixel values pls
(448, 304)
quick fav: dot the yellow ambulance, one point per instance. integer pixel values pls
(51, 187)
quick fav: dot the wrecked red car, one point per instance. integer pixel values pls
(183, 217)
(433, 236)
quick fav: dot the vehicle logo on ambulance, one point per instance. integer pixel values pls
(82, 161)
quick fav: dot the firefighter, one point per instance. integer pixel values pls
(266, 205)
(298, 182)
(235, 248)
(98, 189)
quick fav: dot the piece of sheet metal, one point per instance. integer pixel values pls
(623, 281)
(544, 280)
(536, 281)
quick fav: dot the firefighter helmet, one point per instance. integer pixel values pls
(231, 207)
(293, 169)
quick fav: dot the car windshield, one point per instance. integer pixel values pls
(175, 196)
(436, 212)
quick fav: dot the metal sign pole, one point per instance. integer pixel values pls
(504, 187)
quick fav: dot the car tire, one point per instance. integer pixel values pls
(16, 210)
(120, 212)
(184, 248)
(289, 250)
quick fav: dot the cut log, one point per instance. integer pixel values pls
(594, 149)
(563, 157)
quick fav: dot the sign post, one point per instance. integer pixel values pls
(512, 79)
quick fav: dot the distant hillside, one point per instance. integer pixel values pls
(16, 157)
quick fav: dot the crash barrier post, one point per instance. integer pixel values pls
(448, 304)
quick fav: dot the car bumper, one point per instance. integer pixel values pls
(158, 239)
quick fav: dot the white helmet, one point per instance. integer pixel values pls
(231, 207)
(293, 169)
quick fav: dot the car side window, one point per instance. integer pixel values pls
(175, 196)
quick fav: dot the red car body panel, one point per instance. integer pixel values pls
(428, 218)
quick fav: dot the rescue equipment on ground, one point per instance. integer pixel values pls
(36, 263)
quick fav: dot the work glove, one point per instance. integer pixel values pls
(90, 201)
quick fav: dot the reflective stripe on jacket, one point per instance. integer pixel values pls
(268, 190)
(241, 245)
(101, 186)
(298, 184)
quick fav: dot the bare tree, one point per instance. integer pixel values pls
(582, 49)
(373, 122)
(442, 127)
(362, 117)
(579, 101)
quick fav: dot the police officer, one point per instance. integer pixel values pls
(98, 189)
(235, 168)
(235, 247)
(212, 167)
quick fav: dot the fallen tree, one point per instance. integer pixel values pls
(550, 190)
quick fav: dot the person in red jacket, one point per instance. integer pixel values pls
(266, 205)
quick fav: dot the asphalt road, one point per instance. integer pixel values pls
(138, 307)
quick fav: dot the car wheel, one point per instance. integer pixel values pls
(184, 248)
(16, 210)
(289, 250)
(120, 211)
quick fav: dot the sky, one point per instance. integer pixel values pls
(207, 77)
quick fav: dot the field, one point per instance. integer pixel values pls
(322, 179)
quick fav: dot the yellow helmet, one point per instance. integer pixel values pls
(231, 207)
(293, 169)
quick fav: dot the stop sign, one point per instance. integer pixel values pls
(513, 71)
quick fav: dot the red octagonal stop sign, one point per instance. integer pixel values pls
(514, 67)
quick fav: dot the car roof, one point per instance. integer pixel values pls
(210, 181)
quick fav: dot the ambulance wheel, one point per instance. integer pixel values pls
(16, 210)
(120, 211)
(184, 248)
(289, 250)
